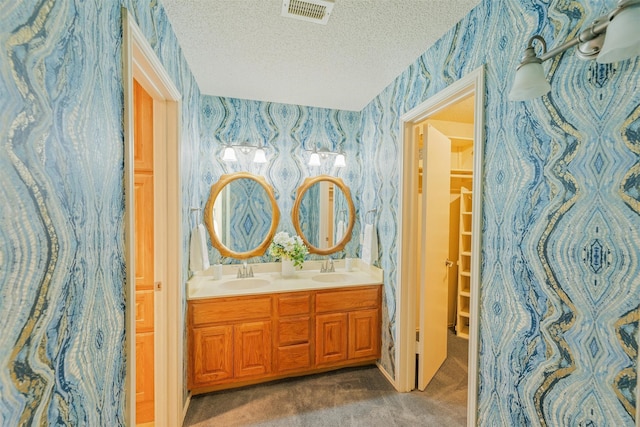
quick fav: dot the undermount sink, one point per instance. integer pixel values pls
(249, 283)
(330, 277)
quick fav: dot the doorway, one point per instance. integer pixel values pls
(442, 259)
(145, 262)
(162, 242)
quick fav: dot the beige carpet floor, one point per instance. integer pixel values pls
(348, 397)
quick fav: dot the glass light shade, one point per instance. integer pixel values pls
(529, 82)
(314, 160)
(229, 155)
(340, 161)
(622, 39)
(260, 157)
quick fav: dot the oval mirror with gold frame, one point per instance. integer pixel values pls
(241, 215)
(323, 214)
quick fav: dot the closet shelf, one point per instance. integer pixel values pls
(462, 173)
(464, 263)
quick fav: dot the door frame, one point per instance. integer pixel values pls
(472, 83)
(140, 62)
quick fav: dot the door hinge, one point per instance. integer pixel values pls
(158, 286)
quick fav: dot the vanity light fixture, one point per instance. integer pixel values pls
(621, 28)
(229, 153)
(317, 156)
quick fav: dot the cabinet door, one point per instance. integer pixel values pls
(212, 354)
(364, 334)
(252, 349)
(331, 338)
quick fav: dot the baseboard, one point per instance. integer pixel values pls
(186, 407)
(387, 376)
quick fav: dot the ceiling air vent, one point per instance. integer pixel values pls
(317, 11)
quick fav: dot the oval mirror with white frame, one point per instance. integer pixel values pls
(323, 214)
(241, 215)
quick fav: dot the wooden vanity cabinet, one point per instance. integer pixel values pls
(230, 338)
(235, 341)
(347, 325)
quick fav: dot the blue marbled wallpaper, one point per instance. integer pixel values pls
(287, 132)
(560, 287)
(561, 257)
(62, 271)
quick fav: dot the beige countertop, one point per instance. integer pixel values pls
(268, 279)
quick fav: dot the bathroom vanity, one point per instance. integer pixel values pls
(246, 331)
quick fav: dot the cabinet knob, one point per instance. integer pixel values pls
(448, 263)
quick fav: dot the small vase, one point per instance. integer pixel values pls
(287, 268)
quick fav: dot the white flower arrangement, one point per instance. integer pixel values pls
(284, 246)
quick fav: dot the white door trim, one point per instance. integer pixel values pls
(140, 62)
(407, 282)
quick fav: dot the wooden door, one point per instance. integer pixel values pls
(432, 345)
(144, 259)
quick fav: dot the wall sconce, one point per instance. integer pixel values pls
(318, 155)
(622, 41)
(229, 153)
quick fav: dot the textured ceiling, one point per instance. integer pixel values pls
(246, 49)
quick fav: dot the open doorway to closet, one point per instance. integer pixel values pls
(440, 239)
(443, 260)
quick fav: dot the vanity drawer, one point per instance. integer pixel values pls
(345, 300)
(294, 304)
(293, 357)
(293, 331)
(230, 310)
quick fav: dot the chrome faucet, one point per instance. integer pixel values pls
(327, 266)
(244, 272)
